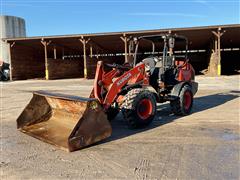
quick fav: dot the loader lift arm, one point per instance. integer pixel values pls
(106, 90)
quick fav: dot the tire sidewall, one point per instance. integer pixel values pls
(185, 89)
(139, 98)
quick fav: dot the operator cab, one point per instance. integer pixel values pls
(161, 61)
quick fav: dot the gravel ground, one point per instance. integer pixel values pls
(203, 145)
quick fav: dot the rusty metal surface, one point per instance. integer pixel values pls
(69, 122)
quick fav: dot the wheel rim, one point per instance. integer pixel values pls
(144, 109)
(187, 100)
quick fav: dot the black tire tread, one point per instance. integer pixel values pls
(128, 107)
(177, 105)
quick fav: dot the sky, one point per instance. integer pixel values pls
(60, 17)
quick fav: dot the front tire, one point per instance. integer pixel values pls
(183, 104)
(112, 113)
(139, 108)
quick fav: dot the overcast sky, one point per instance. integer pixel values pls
(58, 17)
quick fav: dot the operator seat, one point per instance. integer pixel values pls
(150, 66)
(150, 63)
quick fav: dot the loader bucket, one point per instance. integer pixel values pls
(69, 122)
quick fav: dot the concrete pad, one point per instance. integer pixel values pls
(203, 145)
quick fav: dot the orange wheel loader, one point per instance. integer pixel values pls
(72, 122)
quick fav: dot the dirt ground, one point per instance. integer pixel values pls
(203, 145)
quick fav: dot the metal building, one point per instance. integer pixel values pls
(212, 48)
(10, 27)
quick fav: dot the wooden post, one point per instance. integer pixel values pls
(91, 51)
(63, 53)
(84, 42)
(55, 52)
(125, 40)
(215, 45)
(10, 45)
(45, 44)
(97, 51)
(218, 35)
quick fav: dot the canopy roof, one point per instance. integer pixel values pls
(198, 37)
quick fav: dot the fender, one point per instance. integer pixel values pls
(178, 87)
(137, 73)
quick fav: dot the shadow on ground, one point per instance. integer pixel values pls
(164, 115)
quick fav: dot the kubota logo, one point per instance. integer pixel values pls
(124, 79)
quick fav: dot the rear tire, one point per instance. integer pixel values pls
(183, 104)
(139, 108)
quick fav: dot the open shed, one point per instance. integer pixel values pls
(212, 48)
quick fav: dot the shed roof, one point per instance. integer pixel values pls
(199, 37)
